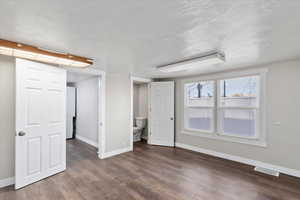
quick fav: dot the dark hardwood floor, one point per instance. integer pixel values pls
(152, 172)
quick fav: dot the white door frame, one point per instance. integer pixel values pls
(101, 104)
(101, 115)
(134, 79)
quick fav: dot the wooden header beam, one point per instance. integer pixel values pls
(25, 47)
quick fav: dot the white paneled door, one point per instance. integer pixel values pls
(162, 113)
(40, 121)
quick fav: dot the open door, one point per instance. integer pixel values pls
(162, 113)
(40, 122)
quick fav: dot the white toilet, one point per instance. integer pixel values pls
(138, 129)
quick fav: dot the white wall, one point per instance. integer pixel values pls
(140, 104)
(283, 105)
(118, 106)
(87, 109)
(143, 100)
(135, 100)
(140, 100)
(7, 117)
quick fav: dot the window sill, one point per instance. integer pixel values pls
(237, 136)
(198, 131)
(216, 136)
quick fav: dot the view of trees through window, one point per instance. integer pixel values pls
(200, 89)
(200, 94)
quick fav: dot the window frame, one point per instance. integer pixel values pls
(260, 137)
(213, 108)
(256, 108)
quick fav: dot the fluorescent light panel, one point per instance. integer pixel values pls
(9, 48)
(205, 60)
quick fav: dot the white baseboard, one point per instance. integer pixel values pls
(86, 140)
(115, 152)
(284, 170)
(7, 182)
(162, 143)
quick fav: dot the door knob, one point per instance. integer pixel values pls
(172, 118)
(21, 133)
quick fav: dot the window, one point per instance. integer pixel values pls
(226, 108)
(239, 107)
(199, 106)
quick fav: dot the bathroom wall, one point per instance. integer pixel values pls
(140, 104)
(135, 100)
(140, 100)
(143, 100)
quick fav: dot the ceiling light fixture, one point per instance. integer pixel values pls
(210, 58)
(37, 54)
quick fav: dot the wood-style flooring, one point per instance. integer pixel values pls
(153, 172)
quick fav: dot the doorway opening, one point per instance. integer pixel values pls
(85, 111)
(140, 104)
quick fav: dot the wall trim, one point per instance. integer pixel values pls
(284, 170)
(7, 182)
(86, 140)
(217, 136)
(115, 152)
(162, 143)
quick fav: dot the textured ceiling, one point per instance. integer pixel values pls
(138, 35)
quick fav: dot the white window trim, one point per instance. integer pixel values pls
(261, 140)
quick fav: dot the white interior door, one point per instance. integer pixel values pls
(162, 113)
(71, 110)
(40, 121)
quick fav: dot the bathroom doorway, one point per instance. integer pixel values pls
(140, 110)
